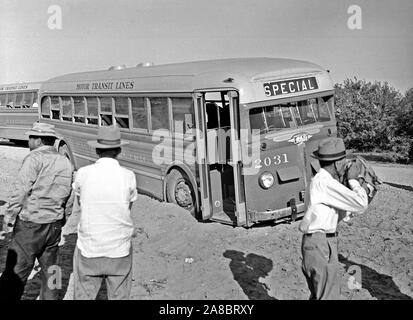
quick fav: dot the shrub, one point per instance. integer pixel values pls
(375, 117)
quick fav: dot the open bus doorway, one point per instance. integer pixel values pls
(218, 165)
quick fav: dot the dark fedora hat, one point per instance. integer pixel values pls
(108, 137)
(42, 130)
(330, 149)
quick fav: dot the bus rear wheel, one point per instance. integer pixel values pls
(179, 190)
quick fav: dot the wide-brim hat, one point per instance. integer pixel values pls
(330, 149)
(108, 138)
(42, 130)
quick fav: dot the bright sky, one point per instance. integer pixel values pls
(96, 34)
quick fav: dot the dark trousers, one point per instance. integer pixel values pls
(320, 266)
(30, 241)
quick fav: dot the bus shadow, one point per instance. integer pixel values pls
(399, 186)
(17, 144)
(379, 285)
(247, 270)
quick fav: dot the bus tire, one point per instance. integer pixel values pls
(179, 190)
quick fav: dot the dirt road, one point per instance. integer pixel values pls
(176, 257)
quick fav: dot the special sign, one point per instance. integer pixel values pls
(290, 86)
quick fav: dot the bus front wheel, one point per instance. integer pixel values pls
(179, 190)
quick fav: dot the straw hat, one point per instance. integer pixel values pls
(330, 149)
(108, 137)
(42, 130)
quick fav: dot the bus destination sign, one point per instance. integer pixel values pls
(290, 86)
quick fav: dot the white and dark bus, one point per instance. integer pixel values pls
(229, 140)
(18, 109)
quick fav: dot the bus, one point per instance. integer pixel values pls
(18, 109)
(228, 140)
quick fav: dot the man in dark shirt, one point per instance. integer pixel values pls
(36, 212)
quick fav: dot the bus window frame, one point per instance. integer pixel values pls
(87, 116)
(106, 112)
(155, 96)
(121, 115)
(72, 105)
(187, 132)
(132, 127)
(78, 114)
(56, 109)
(50, 109)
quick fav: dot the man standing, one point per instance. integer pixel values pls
(36, 212)
(105, 192)
(329, 202)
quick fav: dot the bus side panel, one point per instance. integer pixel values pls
(15, 122)
(137, 156)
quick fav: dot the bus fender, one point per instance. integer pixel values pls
(59, 142)
(185, 168)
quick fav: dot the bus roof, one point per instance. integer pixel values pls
(185, 77)
(20, 86)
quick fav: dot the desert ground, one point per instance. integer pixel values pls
(177, 257)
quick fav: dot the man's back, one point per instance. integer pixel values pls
(42, 187)
(106, 190)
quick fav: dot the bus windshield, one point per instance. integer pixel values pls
(291, 114)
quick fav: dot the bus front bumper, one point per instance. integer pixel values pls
(256, 217)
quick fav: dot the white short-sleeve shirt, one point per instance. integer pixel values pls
(105, 227)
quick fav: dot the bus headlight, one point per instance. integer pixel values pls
(266, 180)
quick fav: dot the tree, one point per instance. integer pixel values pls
(369, 116)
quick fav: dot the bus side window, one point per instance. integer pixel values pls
(92, 110)
(122, 112)
(159, 113)
(55, 106)
(182, 110)
(67, 109)
(79, 103)
(2, 100)
(105, 114)
(139, 113)
(45, 107)
(27, 99)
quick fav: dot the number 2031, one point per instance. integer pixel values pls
(268, 161)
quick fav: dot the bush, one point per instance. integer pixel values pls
(375, 117)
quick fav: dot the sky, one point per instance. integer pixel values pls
(97, 34)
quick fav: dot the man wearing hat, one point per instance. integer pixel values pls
(37, 210)
(329, 201)
(105, 192)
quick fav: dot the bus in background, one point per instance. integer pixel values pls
(18, 109)
(229, 140)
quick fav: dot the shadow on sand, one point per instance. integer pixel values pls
(379, 285)
(247, 269)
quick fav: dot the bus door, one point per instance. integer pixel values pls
(218, 157)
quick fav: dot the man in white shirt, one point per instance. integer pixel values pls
(105, 192)
(329, 202)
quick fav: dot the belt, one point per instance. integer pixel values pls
(328, 235)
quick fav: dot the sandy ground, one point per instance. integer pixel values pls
(176, 257)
